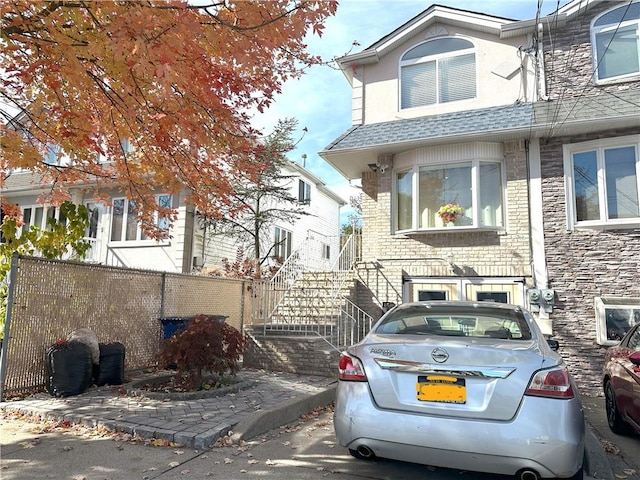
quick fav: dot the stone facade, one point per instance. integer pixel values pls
(582, 263)
(568, 60)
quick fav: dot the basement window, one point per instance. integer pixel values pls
(614, 317)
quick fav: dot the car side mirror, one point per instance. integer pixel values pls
(635, 358)
(554, 344)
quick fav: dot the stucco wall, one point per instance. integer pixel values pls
(381, 86)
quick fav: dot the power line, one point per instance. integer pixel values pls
(588, 82)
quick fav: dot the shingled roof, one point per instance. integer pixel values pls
(564, 114)
(487, 120)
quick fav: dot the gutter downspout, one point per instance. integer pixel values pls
(542, 80)
(536, 233)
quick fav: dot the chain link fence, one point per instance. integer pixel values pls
(49, 299)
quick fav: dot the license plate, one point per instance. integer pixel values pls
(441, 388)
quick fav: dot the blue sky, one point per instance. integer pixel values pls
(321, 99)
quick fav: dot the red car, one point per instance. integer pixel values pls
(621, 383)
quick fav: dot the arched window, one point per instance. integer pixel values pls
(438, 71)
(615, 41)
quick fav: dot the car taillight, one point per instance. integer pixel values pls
(551, 383)
(350, 368)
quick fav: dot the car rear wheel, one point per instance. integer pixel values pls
(614, 419)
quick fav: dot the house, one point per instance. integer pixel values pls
(317, 228)
(589, 129)
(529, 131)
(117, 240)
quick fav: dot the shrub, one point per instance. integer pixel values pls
(205, 346)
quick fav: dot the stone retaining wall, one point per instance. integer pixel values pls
(301, 355)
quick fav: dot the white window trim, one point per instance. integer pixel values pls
(436, 58)
(594, 54)
(45, 215)
(133, 243)
(415, 213)
(287, 244)
(600, 304)
(568, 151)
(461, 284)
(304, 196)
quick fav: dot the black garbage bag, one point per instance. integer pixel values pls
(110, 370)
(69, 368)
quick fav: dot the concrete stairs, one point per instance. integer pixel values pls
(314, 299)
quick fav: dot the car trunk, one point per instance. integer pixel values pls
(484, 382)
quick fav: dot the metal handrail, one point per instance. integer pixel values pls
(356, 319)
(343, 321)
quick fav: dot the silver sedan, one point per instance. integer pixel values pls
(471, 386)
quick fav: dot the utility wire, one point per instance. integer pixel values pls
(569, 60)
(588, 82)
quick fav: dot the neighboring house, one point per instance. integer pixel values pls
(589, 188)
(117, 240)
(318, 228)
(497, 117)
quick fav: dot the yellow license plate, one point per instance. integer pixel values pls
(441, 388)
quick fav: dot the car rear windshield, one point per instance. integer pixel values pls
(498, 323)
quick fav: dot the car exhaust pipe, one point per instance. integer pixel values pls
(365, 452)
(528, 475)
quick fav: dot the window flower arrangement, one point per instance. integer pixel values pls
(450, 212)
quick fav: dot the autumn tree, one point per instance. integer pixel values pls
(176, 80)
(62, 238)
(264, 198)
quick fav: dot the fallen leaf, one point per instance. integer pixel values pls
(610, 447)
(184, 472)
(252, 462)
(179, 452)
(174, 464)
(227, 461)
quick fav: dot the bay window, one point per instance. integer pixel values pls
(470, 190)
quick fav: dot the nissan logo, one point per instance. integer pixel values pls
(439, 355)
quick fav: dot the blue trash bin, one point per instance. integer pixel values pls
(172, 325)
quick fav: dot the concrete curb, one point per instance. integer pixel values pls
(596, 462)
(262, 421)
